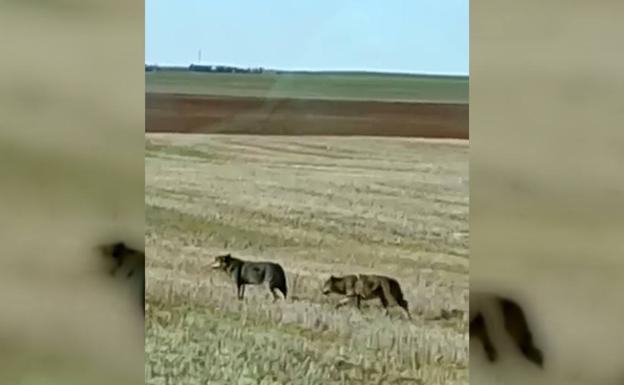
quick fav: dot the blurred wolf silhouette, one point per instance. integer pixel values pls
(253, 273)
(128, 265)
(515, 324)
(365, 287)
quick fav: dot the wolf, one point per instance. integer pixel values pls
(253, 273)
(128, 265)
(365, 287)
(515, 325)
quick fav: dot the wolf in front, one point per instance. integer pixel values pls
(253, 273)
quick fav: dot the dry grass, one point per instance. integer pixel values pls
(318, 206)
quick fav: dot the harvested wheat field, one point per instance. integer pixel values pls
(318, 206)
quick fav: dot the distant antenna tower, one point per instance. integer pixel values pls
(199, 56)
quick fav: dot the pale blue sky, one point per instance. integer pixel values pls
(419, 36)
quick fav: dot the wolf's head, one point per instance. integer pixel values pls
(122, 255)
(331, 285)
(222, 262)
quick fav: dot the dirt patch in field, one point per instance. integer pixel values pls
(204, 114)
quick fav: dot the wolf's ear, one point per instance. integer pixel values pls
(332, 277)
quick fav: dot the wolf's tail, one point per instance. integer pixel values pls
(396, 288)
(284, 291)
(281, 282)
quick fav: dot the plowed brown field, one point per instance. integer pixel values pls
(246, 115)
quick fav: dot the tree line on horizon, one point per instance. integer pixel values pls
(260, 70)
(204, 68)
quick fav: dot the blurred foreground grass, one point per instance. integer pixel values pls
(547, 185)
(71, 101)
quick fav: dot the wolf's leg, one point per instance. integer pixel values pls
(404, 307)
(275, 296)
(241, 291)
(478, 329)
(358, 301)
(518, 328)
(387, 294)
(384, 303)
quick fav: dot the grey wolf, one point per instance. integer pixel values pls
(366, 287)
(253, 273)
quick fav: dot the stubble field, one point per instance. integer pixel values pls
(319, 206)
